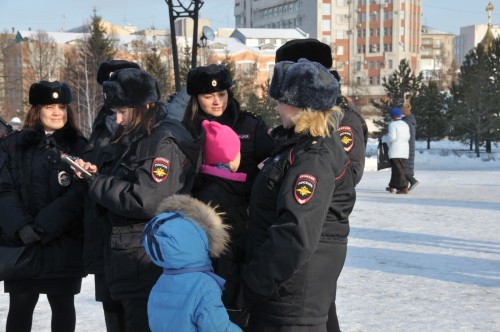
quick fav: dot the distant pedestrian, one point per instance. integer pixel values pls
(397, 138)
(410, 119)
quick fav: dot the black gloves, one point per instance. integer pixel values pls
(29, 235)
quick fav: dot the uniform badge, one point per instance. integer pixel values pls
(160, 169)
(304, 188)
(64, 178)
(347, 137)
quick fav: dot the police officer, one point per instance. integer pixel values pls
(41, 204)
(212, 99)
(353, 129)
(301, 199)
(155, 157)
(100, 152)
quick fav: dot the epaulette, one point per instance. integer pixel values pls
(252, 114)
(342, 102)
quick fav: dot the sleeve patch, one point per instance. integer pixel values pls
(347, 137)
(304, 188)
(160, 169)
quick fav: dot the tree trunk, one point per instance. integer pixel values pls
(488, 146)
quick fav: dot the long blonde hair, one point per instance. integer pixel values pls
(318, 124)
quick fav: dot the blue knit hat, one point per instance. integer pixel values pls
(396, 112)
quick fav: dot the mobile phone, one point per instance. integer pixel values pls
(69, 160)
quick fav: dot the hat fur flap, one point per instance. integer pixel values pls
(304, 84)
(108, 67)
(203, 215)
(130, 87)
(308, 48)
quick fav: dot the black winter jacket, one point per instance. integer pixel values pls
(37, 187)
(354, 136)
(148, 169)
(299, 209)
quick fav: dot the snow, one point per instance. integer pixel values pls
(427, 261)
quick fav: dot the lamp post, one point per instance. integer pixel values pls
(177, 9)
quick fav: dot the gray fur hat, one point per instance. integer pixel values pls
(130, 87)
(304, 84)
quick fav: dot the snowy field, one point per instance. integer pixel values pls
(427, 261)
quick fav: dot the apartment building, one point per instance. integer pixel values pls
(368, 37)
(436, 56)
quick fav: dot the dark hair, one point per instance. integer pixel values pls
(33, 118)
(142, 121)
(193, 114)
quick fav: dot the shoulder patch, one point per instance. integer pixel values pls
(304, 188)
(160, 169)
(346, 137)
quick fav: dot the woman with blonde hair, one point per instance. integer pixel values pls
(300, 203)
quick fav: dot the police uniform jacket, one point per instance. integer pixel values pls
(354, 136)
(299, 209)
(148, 169)
(37, 187)
(256, 141)
(100, 152)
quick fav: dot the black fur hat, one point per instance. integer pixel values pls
(130, 87)
(108, 67)
(309, 48)
(304, 84)
(45, 93)
(208, 79)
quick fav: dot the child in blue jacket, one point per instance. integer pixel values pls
(187, 296)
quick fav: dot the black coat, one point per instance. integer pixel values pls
(228, 196)
(299, 209)
(37, 187)
(354, 136)
(100, 152)
(149, 168)
(410, 162)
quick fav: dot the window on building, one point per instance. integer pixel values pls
(370, 65)
(340, 3)
(390, 64)
(340, 34)
(340, 18)
(370, 80)
(327, 8)
(340, 50)
(326, 25)
(378, 80)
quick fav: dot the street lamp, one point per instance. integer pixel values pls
(189, 9)
(206, 34)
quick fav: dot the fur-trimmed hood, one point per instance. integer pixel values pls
(184, 233)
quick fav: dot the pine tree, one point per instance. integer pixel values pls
(428, 108)
(185, 63)
(154, 65)
(474, 107)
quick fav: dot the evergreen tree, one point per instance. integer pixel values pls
(263, 105)
(185, 63)
(474, 108)
(401, 82)
(231, 66)
(154, 65)
(428, 108)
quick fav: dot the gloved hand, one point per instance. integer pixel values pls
(28, 235)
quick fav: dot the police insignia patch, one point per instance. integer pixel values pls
(160, 169)
(347, 137)
(64, 178)
(304, 188)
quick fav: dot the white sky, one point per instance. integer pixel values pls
(52, 15)
(427, 261)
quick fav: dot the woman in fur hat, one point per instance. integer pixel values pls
(181, 240)
(301, 199)
(153, 158)
(212, 99)
(41, 206)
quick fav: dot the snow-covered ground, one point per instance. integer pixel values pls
(427, 261)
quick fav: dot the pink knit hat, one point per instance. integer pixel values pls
(222, 144)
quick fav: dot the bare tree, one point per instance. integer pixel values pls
(41, 56)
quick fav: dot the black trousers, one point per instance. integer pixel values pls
(398, 177)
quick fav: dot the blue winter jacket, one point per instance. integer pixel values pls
(186, 301)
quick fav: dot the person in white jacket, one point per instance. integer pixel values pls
(397, 138)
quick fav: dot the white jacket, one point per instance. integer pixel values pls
(397, 139)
